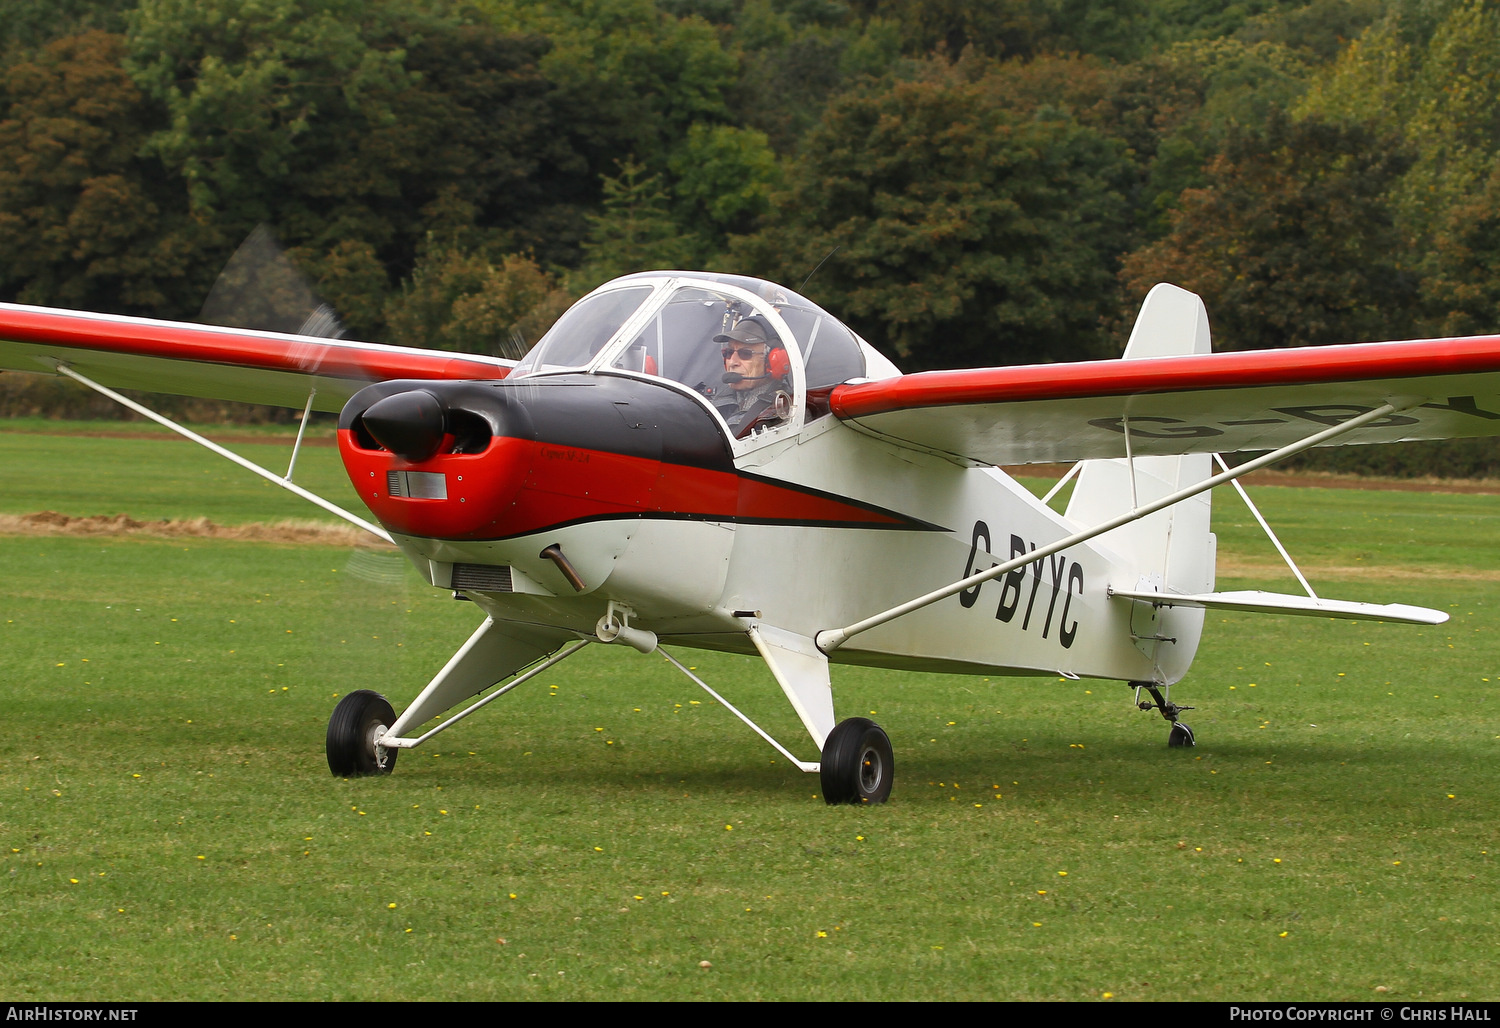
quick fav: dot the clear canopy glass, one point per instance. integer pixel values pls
(689, 327)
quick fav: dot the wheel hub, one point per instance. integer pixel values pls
(871, 769)
(382, 754)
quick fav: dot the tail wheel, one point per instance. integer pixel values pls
(857, 765)
(1181, 735)
(359, 719)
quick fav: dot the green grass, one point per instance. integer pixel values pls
(167, 701)
(68, 471)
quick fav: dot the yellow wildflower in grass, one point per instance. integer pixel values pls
(822, 935)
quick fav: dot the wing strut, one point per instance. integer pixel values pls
(1265, 527)
(270, 476)
(831, 639)
(1072, 472)
(297, 446)
(802, 765)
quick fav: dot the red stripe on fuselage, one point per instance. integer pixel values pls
(518, 487)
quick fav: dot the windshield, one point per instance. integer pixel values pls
(723, 347)
(582, 332)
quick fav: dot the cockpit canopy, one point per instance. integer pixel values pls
(680, 326)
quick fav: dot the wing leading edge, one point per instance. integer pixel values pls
(220, 363)
(1202, 403)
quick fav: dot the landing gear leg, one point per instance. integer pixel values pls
(1181, 734)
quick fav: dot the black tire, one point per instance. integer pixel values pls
(358, 719)
(1181, 735)
(857, 765)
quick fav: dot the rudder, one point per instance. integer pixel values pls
(1172, 550)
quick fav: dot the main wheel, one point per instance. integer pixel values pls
(857, 765)
(358, 720)
(1181, 735)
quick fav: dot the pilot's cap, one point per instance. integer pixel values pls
(749, 330)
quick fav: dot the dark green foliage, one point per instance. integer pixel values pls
(30, 24)
(1462, 292)
(968, 235)
(460, 300)
(1443, 458)
(1292, 242)
(629, 78)
(633, 232)
(340, 121)
(1322, 28)
(85, 220)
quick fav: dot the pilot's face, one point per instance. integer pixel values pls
(747, 359)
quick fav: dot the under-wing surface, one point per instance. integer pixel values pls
(713, 461)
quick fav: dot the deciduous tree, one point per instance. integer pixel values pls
(967, 235)
(1291, 242)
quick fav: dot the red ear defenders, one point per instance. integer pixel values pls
(778, 364)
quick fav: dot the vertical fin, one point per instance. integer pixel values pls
(1172, 550)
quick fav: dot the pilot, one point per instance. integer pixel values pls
(755, 366)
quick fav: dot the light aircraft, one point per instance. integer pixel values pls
(713, 461)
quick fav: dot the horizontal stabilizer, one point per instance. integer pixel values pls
(1285, 603)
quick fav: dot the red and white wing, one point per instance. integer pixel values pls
(1201, 403)
(215, 362)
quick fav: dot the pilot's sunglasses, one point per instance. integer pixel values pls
(744, 351)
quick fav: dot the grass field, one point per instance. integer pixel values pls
(169, 829)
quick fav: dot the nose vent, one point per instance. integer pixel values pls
(417, 485)
(409, 424)
(493, 578)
